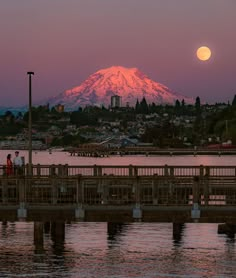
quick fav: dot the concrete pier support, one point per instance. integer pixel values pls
(137, 212)
(80, 213)
(22, 212)
(38, 236)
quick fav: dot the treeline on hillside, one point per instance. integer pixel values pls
(217, 120)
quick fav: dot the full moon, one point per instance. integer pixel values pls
(203, 53)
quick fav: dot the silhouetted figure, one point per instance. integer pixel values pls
(9, 169)
(18, 163)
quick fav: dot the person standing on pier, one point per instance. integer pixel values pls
(9, 170)
(17, 162)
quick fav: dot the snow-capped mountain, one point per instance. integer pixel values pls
(128, 83)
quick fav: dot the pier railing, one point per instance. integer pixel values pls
(121, 171)
(120, 185)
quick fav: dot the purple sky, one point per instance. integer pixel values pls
(64, 41)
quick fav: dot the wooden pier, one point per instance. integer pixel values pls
(166, 193)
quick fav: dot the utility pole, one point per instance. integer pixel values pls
(30, 73)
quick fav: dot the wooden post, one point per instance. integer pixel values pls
(66, 170)
(54, 190)
(137, 211)
(60, 170)
(58, 232)
(99, 170)
(47, 227)
(22, 191)
(172, 172)
(21, 211)
(227, 228)
(114, 229)
(28, 170)
(137, 191)
(195, 213)
(206, 186)
(79, 191)
(166, 170)
(196, 189)
(155, 191)
(52, 170)
(105, 192)
(130, 170)
(95, 173)
(38, 170)
(177, 231)
(135, 171)
(79, 210)
(38, 236)
(201, 171)
(5, 191)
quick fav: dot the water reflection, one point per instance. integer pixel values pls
(58, 238)
(7, 229)
(117, 250)
(178, 231)
(114, 231)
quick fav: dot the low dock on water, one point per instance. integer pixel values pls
(104, 152)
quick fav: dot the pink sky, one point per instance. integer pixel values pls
(65, 41)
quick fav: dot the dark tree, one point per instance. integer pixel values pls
(143, 106)
(137, 106)
(234, 101)
(198, 104)
(177, 104)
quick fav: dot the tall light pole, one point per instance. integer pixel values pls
(30, 73)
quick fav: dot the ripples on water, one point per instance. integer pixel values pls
(123, 250)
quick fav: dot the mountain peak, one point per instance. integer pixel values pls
(116, 70)
(128, 83)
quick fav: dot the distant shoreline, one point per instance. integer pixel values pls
(152, 152)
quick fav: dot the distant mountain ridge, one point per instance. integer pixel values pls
(129, 83)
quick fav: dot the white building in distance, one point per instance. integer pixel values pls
(115, 101)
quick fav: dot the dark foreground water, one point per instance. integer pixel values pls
(129, 250)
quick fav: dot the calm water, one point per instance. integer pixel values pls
(131, 250)
(44, 157)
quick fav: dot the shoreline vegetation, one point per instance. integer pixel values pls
(149, 151)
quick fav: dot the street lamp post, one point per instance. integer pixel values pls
(30, 73)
